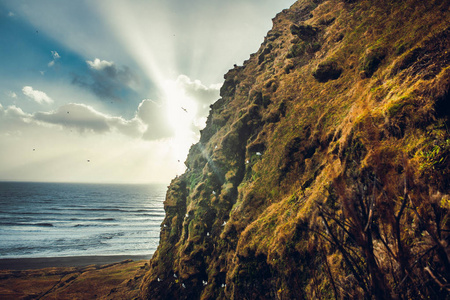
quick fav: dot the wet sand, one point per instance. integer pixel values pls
(70, 261)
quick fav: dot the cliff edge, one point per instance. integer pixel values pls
(323, 171)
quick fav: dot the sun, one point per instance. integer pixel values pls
(181, 109)
(182, 117)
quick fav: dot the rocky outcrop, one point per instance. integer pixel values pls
(323, 170)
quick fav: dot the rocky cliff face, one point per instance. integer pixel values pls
(323, 171)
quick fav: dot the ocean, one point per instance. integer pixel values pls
(71, 219)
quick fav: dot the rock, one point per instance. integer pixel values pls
(304, 32)
(328, 70)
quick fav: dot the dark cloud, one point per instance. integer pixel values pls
(77, 116)
(149, 123)
(106, 80)
(84, 118)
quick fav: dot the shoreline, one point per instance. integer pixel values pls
(65, 261)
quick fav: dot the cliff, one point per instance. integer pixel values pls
(323, 170)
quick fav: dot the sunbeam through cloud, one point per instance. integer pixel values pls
(86, 76)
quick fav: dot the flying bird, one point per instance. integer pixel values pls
(185, 110)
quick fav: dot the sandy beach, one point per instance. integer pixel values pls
(79, 277)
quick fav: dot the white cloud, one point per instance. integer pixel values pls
(11, 14)
(203, 95)
(38, 96)
(154, 116)
(12, 94)
(132, 128)
(98, 64)
(55, 56)
(13, 119)
(12, 112)
(189, 102)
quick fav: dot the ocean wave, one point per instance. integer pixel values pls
(44, 224)
(110, 209)
(151, 215)
(76, 211)
(93, 219)
(101, 209)
(93, 225)
(25, 213)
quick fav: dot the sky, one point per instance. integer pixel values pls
(115, 91)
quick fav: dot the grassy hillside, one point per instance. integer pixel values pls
(323, 171)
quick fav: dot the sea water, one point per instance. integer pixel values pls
(68, 219)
